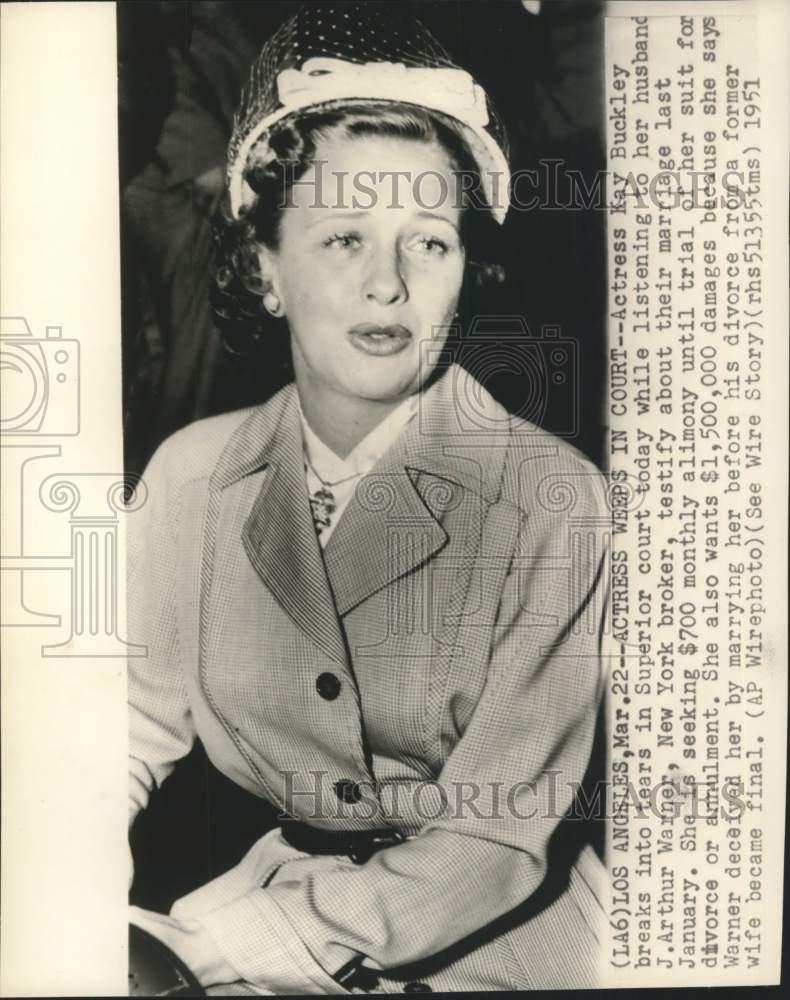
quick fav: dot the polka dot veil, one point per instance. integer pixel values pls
(328, 55)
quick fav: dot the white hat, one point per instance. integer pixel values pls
(363, 52)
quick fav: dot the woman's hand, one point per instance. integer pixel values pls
(193, 945)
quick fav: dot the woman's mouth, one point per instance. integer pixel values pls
(380, 341)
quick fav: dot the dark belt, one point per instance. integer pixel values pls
(358, 845)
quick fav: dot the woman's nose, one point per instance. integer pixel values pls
(384, 283)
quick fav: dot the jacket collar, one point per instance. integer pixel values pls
(393, 523)
(456, 417)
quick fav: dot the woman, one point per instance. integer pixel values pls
(377, 599)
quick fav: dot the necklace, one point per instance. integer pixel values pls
(323, 502)
(338, 482)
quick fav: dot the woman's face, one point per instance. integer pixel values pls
(369, 266)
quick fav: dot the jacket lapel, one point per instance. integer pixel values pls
(278, 535)
(385, 532)
(395, 521)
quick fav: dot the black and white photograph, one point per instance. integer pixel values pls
(388, 682)
(395, 496)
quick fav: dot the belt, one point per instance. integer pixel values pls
(358, 845)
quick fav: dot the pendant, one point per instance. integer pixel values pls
(323, 505)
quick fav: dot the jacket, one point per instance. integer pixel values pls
(454, 623)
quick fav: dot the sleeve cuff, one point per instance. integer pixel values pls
(139, 788)
(256, 939)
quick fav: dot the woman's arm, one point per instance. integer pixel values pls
(161, 731)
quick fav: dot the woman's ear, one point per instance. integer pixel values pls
(272, 297)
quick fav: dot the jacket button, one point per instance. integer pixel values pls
(417, 988)
(328, 686)
(348, 791)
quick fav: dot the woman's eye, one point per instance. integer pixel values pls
(430, 245)
(343, 241)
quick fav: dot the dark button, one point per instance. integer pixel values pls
(348, 791)
(328, 686)
(417, 988)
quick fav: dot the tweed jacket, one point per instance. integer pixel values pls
(458, 610)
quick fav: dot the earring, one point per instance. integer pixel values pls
(271, 303)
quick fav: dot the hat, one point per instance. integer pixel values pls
(351, 53)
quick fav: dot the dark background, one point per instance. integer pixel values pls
(181, 66)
